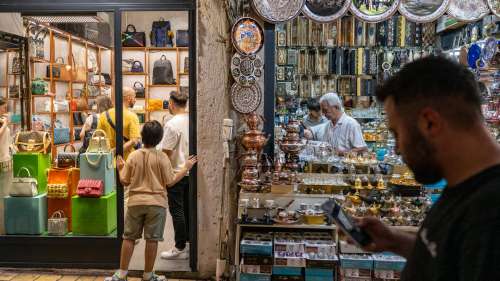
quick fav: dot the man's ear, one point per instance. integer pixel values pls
(430, 122)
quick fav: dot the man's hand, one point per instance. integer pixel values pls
(120, 163)
(308, 134)
(5, 120)
(191, 161)
(382, 236)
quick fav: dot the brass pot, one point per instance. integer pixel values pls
(291, 146)
(253, 120)
(293, 126)
(254, 140)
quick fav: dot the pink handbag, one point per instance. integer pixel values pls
(90, 188)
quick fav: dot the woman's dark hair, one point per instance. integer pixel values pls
(152, 133)
(437, 82)
(313, 105)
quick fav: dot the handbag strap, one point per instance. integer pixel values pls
(69, 145)
(112, 124)
(133, 26)
(93, 163)
(23, 169)
(60, 59)
(163, 57)
(137, 82)
(58, 215)
(137, 62)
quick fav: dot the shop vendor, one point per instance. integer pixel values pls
(342, 132)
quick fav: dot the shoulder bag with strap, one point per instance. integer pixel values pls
(112, 124)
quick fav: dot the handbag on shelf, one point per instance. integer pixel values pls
(66, 159)
(57, 68)
(61, 134)
(186, 65)
(155, 104)
(38, 124)
(137, 67)
(99, 142)
(139, 90)
(57, 190)
(16, 65)
(163, 73)
(96, 80)
(38, 87)
(80, 104)
(78, 72)
(57, 224)
(182, 39)
(94, 91)
(159, 33)
(31, 141)
(92, 65)
(127, 65)
(107, 79)
(90, 188)
(165, 104)
(14, 91)
(61, 106)
(132, 38)
(24, 186)
(77, 134)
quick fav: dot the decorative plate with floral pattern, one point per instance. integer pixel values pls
(245, 99)
(247, 36)
(468, 10)
(423, 11)
(276, 11)
(325, 11)
(246, 70)
(494, 7)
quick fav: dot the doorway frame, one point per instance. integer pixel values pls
(94, 251)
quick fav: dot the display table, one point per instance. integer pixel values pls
(94, 216)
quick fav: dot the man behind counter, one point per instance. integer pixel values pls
(343, 132)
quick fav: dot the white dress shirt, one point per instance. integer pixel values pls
(343, 136)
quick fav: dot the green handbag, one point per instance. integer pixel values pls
(38, 87)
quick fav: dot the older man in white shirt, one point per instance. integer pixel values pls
(343, 132)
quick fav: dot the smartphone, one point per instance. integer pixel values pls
(345, 222)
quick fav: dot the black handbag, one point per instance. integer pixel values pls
(139, 90)
(165, 104)
(182, 39)
(56, 69)
(66, 159)
(163, 72)
(137, 67)
(107, 78)
(133, 38)
(13, 91)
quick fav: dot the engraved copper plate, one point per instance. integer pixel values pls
(325, 11)
(246, 70)
(422, 11)
(494, 7)
(275, 11)
(245, 99)
(468, 10)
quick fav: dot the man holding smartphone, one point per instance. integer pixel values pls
(434, 111)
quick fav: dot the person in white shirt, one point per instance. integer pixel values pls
(343, 132)
(175, 144)
(5, 159)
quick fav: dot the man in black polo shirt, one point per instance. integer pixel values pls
(433, 109)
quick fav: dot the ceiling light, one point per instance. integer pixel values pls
(64, 18)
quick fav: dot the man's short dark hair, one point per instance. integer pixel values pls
(439, 83)
(313, 105)
(152, 133)
(3, 101)
(179, 98)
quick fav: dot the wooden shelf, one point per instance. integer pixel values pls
(56, 80)
(41, 96)
(62, 144)
(134, 48)
(160, 110)
(183, 48)
(79, 82)
(14, 74)
(162, 49)
(42, 113)
(163, 85)
(39, 60)
(134, 73)
(183, 73)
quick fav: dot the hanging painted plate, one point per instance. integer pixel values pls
(423, 11)
(246, 70)
(468, 10)
(494, 7)
(489, 50)
(247, 36)
(275, 11)
(473, 55)
(245, 99)
(374, 11)
(324, 11)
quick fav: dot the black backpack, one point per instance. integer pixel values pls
(88, 134)
(163, 72)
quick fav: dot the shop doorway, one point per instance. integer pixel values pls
(97, 250)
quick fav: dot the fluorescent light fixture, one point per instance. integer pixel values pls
(64, 18)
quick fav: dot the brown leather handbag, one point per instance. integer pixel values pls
(78, 72)
(32, 141)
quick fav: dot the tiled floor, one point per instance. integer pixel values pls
(9, 276)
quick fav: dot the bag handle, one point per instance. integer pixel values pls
(137, 62)
(128, 28)
(139, 84)
(23, 169)
(98, 132)
(163, 57)
(59, 59)
(70, 145)
(58, 215)
(94, 164)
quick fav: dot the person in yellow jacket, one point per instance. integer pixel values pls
(131, 128)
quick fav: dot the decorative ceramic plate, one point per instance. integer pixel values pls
(324, 11)
(245, 99)
(276, 11)
(246, 70)
(489, 49)
(473, 55)
(247, 36)
(423, 11)
(494, 7)
(468, 10)
(374, 11)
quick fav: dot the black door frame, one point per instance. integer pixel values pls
(91, 251)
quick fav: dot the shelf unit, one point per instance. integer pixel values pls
(16, 102)
(147, 74)
(84, 45)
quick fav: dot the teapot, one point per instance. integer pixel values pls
(253, 120)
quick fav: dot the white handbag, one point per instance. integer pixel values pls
(57, 224)
(96, 79)
(24, 186)
(61, 106)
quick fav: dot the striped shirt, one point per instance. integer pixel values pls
(343, 136)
